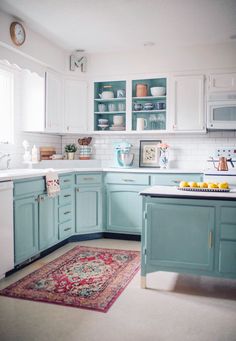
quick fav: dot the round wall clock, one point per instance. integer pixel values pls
(17, 32)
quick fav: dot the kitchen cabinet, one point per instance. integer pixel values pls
(188, 235)
(174, 179)
(89, 203)
(187, 106)
(151, 108)
(222, 82)
(25, 228)
(48, 230)
(106, 107)
(75, 116)
(54, 102)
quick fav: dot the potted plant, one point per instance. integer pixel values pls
(70, 150)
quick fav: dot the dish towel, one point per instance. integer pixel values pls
(52, 184)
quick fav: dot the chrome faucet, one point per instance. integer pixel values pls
(8, 158)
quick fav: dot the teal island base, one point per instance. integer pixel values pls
(188, 235)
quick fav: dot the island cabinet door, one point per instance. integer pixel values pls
(180, 236)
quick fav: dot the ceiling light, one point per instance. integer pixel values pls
(149, 43)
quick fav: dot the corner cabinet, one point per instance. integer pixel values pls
(75, 116)
(187, 106)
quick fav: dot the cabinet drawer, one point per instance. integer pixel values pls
(29, 187)
(127, 178)
(65, 197)
(228, 231)
(65, 230)
(227, 261)
(173, 179)
(66, 181)
(228, 215)
(65, 213)
(90, 178)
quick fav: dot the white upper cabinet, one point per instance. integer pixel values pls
(33, 101)
(222, 82)
(54, 102)
(187, 104)
(75, 117)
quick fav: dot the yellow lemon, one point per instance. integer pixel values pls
(193, 184)
(183, 184)
(223, 185)
(202, 184)
(212, 185)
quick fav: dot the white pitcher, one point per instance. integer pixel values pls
(141, 123)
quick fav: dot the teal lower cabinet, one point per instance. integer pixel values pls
(66, 213)
(88, 209)
(124, 208)
(48, 229)
(25, 228)
(194, 236)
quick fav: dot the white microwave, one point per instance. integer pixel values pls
(221, 111)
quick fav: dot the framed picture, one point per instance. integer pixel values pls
(149, 153)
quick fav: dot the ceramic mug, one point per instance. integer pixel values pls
(141, 123)
(121, 106)
(102, 107)
(120, 93)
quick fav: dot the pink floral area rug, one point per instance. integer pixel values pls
(84, 277)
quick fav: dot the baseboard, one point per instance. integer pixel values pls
(87, 236)
(121, 236)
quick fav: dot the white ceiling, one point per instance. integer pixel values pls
(121, 25)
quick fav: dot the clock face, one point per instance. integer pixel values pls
(17, 33)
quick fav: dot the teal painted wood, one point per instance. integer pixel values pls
(66, 197)
(127, 179)
(174, 179)
(66, 181)
(25, 228)
(28, 187)
(172, 241)
(124, 208)
(48, 222)
(88, 209)
(66, 229)
(227, 257)
(90, 178)
(178, 235)
(65, 213)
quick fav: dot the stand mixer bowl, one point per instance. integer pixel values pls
(125, 159)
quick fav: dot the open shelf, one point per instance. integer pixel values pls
(109, 112)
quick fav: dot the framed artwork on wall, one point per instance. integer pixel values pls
(149, 153)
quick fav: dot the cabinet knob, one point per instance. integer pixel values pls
(77, 189)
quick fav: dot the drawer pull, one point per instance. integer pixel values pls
(210, 239)
(87, 179)
(66, 180)
(128, 180)
(67, 229)
(176, 181)
(67, 212)
(67, 195)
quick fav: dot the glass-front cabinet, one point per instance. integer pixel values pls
(149, 104)
(110, 105)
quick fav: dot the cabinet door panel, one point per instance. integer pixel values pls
(88, 209)
(227, 259)
(26, 228)
(188, 103)
(124, 208)
(180, 235)
(48, 232)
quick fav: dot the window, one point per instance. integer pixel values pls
(6, 106)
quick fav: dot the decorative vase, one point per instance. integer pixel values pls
(164, 158)
(70, 156)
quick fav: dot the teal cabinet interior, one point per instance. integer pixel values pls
(25, 228)
(48, 231)
(189, 236)
(150, 107)
(105, 106)
(89, 203)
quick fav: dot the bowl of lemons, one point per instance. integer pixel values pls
(204, 186)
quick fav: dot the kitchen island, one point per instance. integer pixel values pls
(188, 232)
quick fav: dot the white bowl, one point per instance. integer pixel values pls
(103, 121)
(158, 91)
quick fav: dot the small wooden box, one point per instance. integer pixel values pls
(46, 153)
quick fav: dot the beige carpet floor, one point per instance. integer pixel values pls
(173, 308)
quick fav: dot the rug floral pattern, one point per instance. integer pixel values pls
(84, 277)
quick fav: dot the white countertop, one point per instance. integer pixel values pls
(173, 192)
(14, 174)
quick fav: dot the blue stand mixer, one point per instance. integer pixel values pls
(123, 155)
